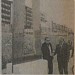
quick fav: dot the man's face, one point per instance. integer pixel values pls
(61, 41)
(47, 40)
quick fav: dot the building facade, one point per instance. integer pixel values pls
(6, 15)
(48, 28)
(6, 31)
(30, 27)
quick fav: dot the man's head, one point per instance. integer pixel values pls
(69, 42)
(47, 40)
(61, 40)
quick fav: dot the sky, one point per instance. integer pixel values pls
(59, 11)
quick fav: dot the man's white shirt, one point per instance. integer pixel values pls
(50, 50)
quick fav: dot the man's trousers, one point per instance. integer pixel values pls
(50, 65)
(63, 67)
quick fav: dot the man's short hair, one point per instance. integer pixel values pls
(46, 38)
(61, 38)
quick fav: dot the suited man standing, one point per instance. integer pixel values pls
(47, 53)
(62, 56)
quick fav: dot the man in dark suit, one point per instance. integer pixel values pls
(62, 56)
(47, 53)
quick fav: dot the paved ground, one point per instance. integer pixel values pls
(55, 66)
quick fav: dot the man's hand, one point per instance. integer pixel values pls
(52, 54)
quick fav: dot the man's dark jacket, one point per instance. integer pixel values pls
(46, 51)
(62, 52)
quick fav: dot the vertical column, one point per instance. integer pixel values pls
(18, 28)
(69, 15)
(36, 24)
(19, 15)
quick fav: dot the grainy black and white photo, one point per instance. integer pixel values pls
(37, 36)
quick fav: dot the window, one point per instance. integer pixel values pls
(28, 18)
